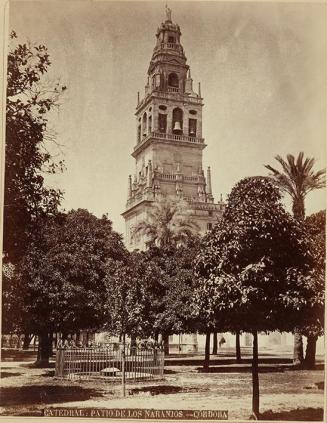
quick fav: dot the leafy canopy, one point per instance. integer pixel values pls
(62, 275)
(249, 265)
(30, 99)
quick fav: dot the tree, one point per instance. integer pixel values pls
(179, 283)
(30, 99)
(62, 275)
(249, 267)
(168, 277)
(314, 314)
(297, 179)
(168, 223)
(128, 307)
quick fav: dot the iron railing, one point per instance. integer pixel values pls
(112, 362)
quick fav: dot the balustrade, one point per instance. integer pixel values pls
(173, 90)
(169, 137)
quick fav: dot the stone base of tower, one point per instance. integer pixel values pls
(205, 215)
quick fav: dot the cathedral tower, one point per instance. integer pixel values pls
(169, 142)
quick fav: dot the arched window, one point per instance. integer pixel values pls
(162, 124)
(192, 127)
(144, 123)
(177, 121)
(173, 80)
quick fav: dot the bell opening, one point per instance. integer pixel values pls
(177, 128)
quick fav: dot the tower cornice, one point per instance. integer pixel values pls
(179, 140)
(175, 96)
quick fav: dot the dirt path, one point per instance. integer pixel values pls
(26, 390)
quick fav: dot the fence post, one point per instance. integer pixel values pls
(123, 373)
(60, 362)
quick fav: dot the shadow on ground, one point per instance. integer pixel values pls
(170, 372)
(247, 369)
(35, 394)
(299, 414)
(36, 366)
(165, 390)
(8, 374)
(241, 369)
(49, 373)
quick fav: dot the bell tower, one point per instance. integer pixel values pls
(169, 142)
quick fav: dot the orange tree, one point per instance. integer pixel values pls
(128, 306)
(151, 293)
(313, 315)
(29, 148)
(29, 141)
(62, 276)
(249, 267)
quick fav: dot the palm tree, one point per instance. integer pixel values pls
(168, 223)
(297, 179)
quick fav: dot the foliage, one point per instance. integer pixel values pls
(11, 302)
(252, 267)
(313, 315)
(298, 178)
(62, 275)
(168, 223)
(173, 294)
(151, 292)
(249, 264)
(28, 138)
(127, 306)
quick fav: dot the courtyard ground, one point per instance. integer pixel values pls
(285, 394)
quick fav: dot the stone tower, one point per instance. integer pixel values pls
(169, 142)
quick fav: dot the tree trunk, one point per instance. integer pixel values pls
(195, 342)
(298, 348)
(123, 369)
(215, 344)
(133, 345)
(298, 209)
(255, 377)
(238, 347)
(51, 344)
(207, 353)
(310, 353)
(43, 352)
(165, 340)
(27, 340)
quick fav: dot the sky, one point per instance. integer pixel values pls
(262, 68)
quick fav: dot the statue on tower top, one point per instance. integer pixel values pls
(168, 13)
